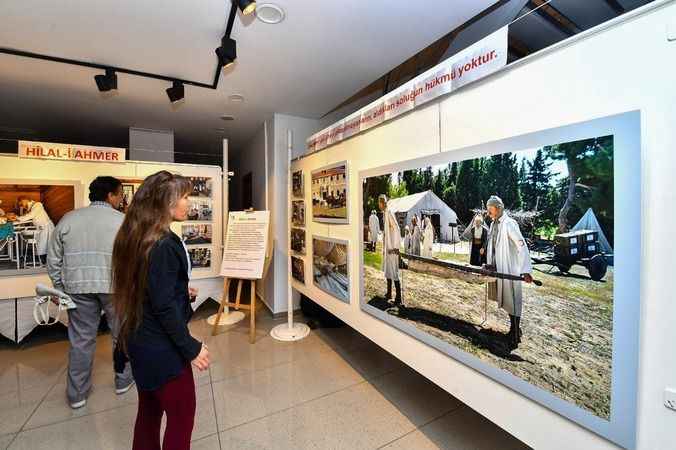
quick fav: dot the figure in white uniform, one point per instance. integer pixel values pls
(391, 246)
(415, 237)
(507, 252)
(374, 229)
(407, 239)
(428, 238)
(37, 214)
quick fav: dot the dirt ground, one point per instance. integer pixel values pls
(566, 347)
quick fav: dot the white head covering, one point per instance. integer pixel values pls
(495, 201)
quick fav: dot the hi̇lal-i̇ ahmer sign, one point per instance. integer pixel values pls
(48, 150)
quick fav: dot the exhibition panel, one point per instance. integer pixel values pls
(571, 173)
(53, 186)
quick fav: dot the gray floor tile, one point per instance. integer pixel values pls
(5, 440)
(356, 418)
(258, 394)
(463, 429)
(110, 430)
(208, 443)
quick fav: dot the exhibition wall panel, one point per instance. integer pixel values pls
(574, 82)
(79, 174)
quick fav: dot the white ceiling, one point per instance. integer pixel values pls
(321, 54)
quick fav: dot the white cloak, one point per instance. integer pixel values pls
(415, 241)
(391, 241)
(428, 239)
(374, 228)
(510, 256)
(42, 222)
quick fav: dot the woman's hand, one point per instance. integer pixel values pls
(202, 360)
(192, 293)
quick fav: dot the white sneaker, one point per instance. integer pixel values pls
(78, 405)
(124, 390)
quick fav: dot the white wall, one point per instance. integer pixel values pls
(629, 66)
(254, 158)
(301, 129)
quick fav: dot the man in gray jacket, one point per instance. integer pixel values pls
(79, 263)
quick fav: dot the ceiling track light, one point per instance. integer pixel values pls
(107, 82)
(176, 93)
(246, 6)
(227, 52)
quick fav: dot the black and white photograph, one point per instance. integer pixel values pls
(506, 257)
(200, 210)
(298, 240)
(200, 257)
(330, 194)
(201, 187)
(297, 184)
(298, 213)
(330, 267)
(298, 269)
(196, 234)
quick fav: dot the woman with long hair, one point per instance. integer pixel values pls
(151, 271)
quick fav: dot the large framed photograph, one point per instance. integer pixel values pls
(298, 240)
(200, 210)
(297, 184)
(330, 268)
(298, 269)
(512, 258)
(201, 187)
(330, 194)
(196, 234)
(298, 213)
(200, 257)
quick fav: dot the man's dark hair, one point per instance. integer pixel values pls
(101, 187)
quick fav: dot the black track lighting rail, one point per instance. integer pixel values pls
(138, 73)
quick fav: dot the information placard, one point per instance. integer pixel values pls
(246, 244)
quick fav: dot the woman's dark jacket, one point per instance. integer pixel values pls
(162, 346)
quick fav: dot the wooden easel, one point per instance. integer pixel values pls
(225, 301)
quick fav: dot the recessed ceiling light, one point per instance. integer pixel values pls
(220, 130)
(227, 117)
(269, 13)
(236, 98)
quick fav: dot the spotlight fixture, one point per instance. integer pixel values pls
(236, 98)
(227, 52)
(227, 117)
(107, 82)
(246, 6)
(176, 92)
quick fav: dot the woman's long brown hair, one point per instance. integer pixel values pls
(147, 221)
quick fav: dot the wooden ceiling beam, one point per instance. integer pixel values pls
(615, 6)
(554, 17)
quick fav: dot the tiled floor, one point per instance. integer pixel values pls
(333, 390)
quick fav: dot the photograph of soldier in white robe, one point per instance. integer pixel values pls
(507, 257)
(374, 230)
(391, 248)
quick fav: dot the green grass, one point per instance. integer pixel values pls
(374, 260)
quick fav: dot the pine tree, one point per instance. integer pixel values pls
(467, 190)
(537, 182)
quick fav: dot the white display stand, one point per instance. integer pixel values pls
(289, 331)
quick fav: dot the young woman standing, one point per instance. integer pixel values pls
(151, 270)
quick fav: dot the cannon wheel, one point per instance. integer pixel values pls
(598, 266)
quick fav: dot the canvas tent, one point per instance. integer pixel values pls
(424, 204)
(590, 222)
